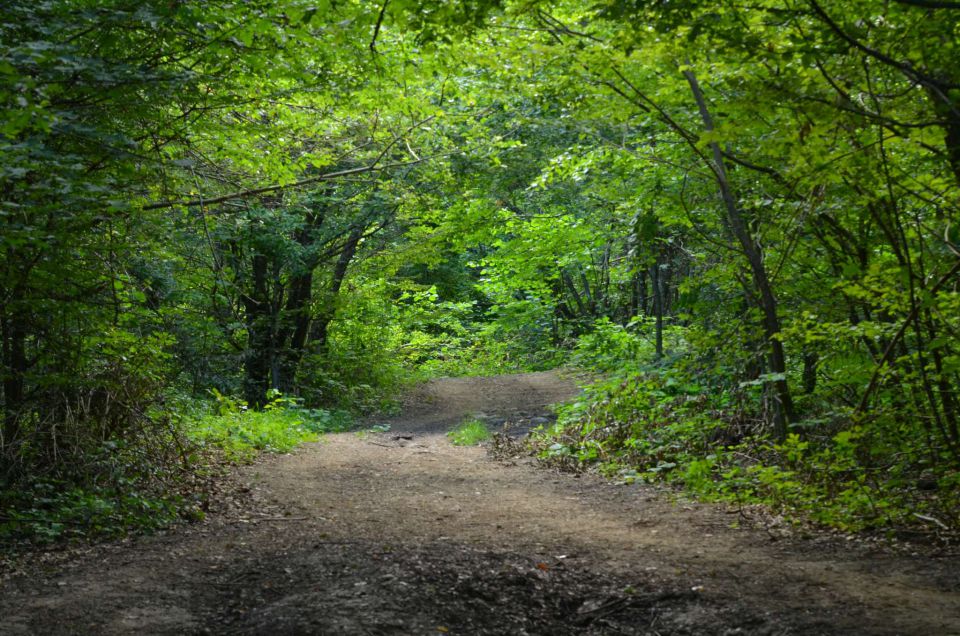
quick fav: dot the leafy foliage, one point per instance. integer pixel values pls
(657, 425)
(48, 512)
(280, 426)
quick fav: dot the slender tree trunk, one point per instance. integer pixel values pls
(572, 287)
(777, 360)
(948, 110)
(296, 327)
(591, 300)
(634, 296)
(321, 325)
(642, 292)
(810, 359)
(657, 306)
(14, 369)
(295, 316)
(258, 363)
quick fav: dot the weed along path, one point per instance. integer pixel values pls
(400, 532)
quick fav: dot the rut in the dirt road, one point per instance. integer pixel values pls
(381, 534)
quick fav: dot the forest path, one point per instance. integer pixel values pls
(402, 533)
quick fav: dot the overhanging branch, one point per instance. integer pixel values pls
(931, 4)
(374, 166)
(329, 176)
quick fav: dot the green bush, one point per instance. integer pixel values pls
(100, 457)
(282, 424)
(127, 487)
(660, 426)
(52, 510)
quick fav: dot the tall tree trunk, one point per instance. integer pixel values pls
(643, 297)
(14, 369)
(321, 325)
(296, 328)
(295, 321)
(777, 360)
(572, 287)
(258, 362)
(655, 276)
(810, 359)
(634, 296)
(947, 109)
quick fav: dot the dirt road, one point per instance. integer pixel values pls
(401, 533)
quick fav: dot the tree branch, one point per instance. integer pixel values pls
(905, 67)
(891, 346)
(930, 4)
(329, 176)
(376, 29)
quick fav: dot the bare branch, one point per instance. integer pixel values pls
(376, 29)
(905, 67)
(930, 4)
(329, 176)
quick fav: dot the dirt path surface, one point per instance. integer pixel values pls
(401, 533)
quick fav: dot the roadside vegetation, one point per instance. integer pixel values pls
(658, 422)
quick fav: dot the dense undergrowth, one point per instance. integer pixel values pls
(668, 422)
(136, 457)
(132, 486)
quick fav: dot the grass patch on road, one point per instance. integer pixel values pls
(469, 432)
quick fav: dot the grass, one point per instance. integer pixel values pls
(279, 428)
(469, 432)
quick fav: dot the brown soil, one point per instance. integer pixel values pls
(402, 533)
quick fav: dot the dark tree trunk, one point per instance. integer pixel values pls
(321, 325)
(634, 296)
(296, 321)
(644, 298)
(810, 359)
(258, 363)
(572, 288)
(777, 359)
(948, 110)
(296, 313)
(14, 370)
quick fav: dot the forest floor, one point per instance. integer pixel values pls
(399, 532)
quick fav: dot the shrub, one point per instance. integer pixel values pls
(660, 426)
(282, 424)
